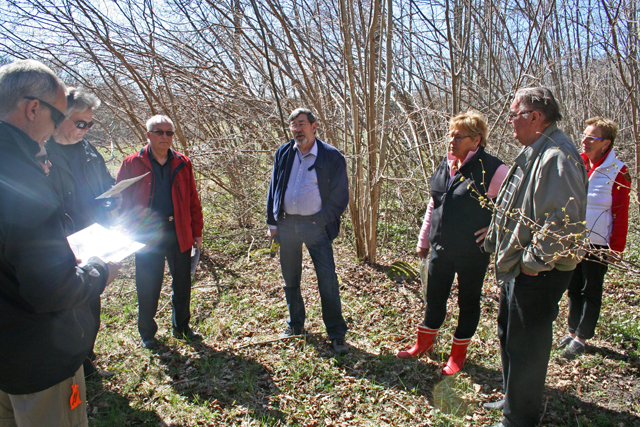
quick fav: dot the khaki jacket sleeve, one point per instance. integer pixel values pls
(559, 205)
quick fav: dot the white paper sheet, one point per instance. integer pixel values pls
(120, 186)
(108, 245)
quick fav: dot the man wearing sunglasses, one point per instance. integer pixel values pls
(79, 175)
(163, 211)
(78, 170)
(46, 326)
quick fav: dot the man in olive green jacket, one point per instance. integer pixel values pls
(540, 211)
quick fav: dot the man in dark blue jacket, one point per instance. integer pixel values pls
(309, 190)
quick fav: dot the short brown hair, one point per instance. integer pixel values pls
(608, 127)
(295, 113)
(473, 123)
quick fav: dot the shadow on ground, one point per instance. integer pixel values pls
(219, 379)
(108, 409)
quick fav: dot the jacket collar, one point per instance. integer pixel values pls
(528, 154)
(607, 160)
(175, 157)
(24, 142)
(319, 156)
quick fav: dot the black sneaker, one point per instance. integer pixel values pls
(92, 372)
(494, 406)
(339, 346)
(292, 332)
(574, 349)
(150, 344)
(187, 336)
(565, 341)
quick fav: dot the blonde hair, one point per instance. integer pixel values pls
(608, 127)
(473, 123)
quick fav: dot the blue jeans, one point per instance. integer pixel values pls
(294, 231)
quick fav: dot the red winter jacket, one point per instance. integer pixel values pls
(137, 198)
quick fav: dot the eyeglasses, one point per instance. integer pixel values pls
(56, 115)
(458, 138)
(42, 158)
(512, 116)
(162, 132)
(589, 138)
(82, 124)
(298, 125)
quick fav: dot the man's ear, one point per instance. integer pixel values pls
(32, 109)
(537, 117)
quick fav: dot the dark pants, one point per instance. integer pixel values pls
(585, 297)
(149, 275)
(94, 306)
(442, 270)
(528, 307)
(293, 232)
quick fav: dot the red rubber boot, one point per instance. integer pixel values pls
(458, 355)
(423, 344)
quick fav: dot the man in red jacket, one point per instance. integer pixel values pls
(163, 211)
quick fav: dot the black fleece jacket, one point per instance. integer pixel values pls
(46, 327)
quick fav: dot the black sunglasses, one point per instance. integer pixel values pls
(42, 158)
(56, 115)
(162, 132)
(82, 124)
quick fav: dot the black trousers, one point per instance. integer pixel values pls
(94, 306)
(585, 297)
(149, 275)
(528, 307)
(471, 270)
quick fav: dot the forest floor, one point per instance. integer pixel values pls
(242, 373)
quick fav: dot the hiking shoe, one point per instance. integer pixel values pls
(150, 344)
(187, 336)
(339, 346)
(574, 349)
(497, 406)
(292, 332)
(91, 371)
(565, 341)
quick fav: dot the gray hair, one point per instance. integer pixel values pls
(157, 119)
(79, 99)
(295, 113)
(539, 99)
(26, 78)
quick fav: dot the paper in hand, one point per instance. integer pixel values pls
(108, 245)
(120, 186)
(195, 258)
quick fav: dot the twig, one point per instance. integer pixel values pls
(277, 339)
(544, 410)
(249, 250)
(408, 412)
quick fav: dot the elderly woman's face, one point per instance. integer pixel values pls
(461, 144)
